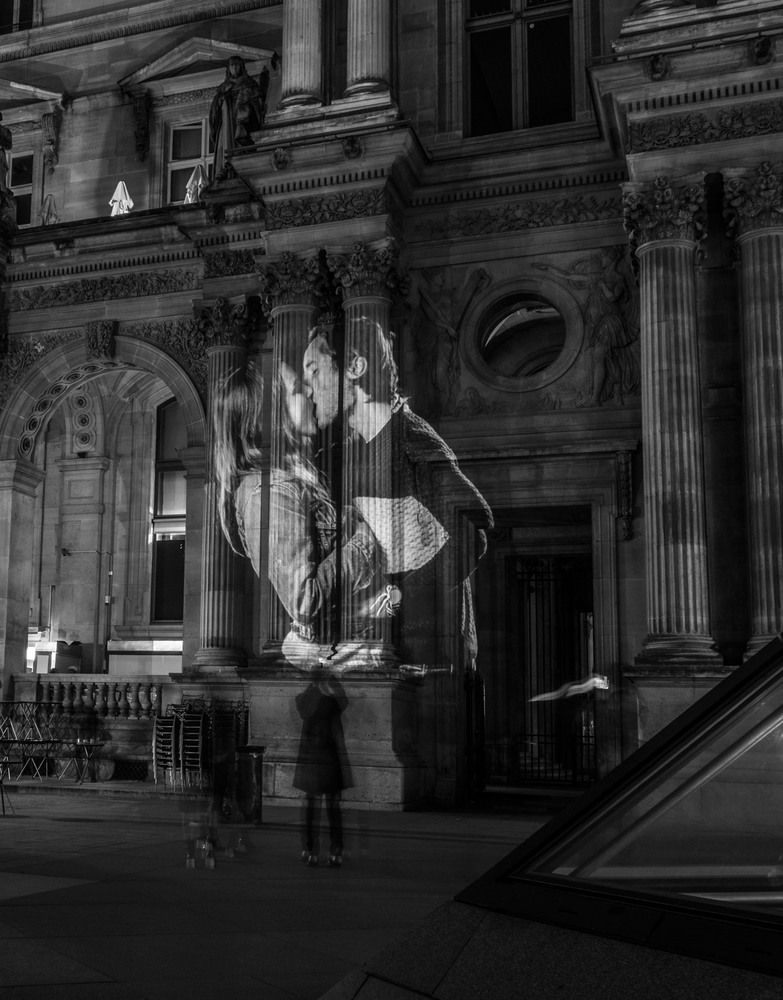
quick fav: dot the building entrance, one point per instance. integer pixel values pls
(536, 654)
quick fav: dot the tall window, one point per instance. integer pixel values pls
(22, 186)
(520, 64)
(168, 519)
(16, 15)
(189, 148)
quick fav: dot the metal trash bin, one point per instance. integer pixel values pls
(249, 781)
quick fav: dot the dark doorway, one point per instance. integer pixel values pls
(535, 612)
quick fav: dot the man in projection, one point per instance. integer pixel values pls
(392, 528)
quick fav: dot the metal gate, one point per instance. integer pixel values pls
(549, 726)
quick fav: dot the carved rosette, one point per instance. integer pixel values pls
(290, 280)
(226, 324)
(754, 200)
(369, 272)
(100, 338)
(663, 211)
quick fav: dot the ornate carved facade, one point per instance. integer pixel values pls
(430, 395)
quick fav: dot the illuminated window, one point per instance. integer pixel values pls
(168, 520)
(189, 148)
(520, 64)
(22, 165)
(16, 15)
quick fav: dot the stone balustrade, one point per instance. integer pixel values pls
(110, 698)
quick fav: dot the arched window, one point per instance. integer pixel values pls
(168, 518)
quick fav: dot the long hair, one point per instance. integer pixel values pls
(236, 429)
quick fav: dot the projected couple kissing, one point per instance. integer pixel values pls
(354, 526)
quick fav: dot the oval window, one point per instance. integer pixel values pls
(524, 338)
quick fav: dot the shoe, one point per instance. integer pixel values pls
(335, 860)
(312, 861)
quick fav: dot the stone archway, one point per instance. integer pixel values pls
(44, 386)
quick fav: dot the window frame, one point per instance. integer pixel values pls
(164, 118)
(35, 19)
(204, 159)
(164, 527)
(520, 14)
(453, 131)
(33, 188)
(486, 311)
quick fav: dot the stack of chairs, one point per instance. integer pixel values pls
(192, 738)
(165, 750)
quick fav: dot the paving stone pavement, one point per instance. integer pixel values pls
(96, 901)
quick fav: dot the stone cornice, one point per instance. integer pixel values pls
(663, 210)
(754, 199)
(132, 285)
(60, 265)
(695, 128)
(457, 193)
(92, 30)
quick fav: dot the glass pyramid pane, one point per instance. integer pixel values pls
(682, 845)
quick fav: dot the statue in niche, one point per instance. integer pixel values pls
(238, 108)
(436, 335)
(611, 314)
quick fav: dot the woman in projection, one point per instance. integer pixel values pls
(237, 460)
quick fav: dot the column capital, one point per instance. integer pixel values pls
(291, 280)
(664, 210)
(226, 322)
(754, 198)
(369, 271)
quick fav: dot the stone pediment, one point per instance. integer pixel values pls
(198, 62)
(19, 101)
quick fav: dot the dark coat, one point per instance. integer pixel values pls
(321, 764)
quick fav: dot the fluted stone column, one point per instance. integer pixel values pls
(756, 204)
(19, 481)
(290, 287)
(369, 46)
(367, 279)
(302, 61)
(663, 223)
(225, 325)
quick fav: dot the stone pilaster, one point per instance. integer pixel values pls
(369, 46)
(368, 279)
(302, 61)
(19, 481)
(225, 325)
(290, 286)
(663, 221)
(755, 204)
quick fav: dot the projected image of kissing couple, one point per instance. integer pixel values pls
(354, 524)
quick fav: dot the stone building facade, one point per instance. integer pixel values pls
(538, 240)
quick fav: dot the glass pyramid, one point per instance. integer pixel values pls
(681, 846)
